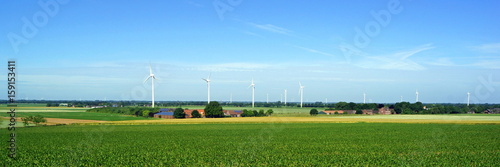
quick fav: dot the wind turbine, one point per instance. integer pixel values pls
(301, 92)
(253, 93)
(152, 76)
(468, 98)
(285, 96)
(416, 92)
(364, 98)
(208, 86)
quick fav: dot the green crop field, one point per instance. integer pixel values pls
(282, 144)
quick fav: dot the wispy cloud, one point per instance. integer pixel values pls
(444, 61)
(395, 61)
(271, 28)
(314, 51)
(488, 48)
(253, 34)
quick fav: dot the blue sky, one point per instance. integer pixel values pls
(71, 50)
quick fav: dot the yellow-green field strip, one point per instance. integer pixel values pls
(341, 119)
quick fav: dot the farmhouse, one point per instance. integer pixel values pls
(367, 112)
(331, 112)
(233, 113)
(383, 111)
(492, 111)
(166, 115)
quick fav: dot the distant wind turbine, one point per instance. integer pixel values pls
(364, 98)
(253, 93)
(285, 96)
(208, 87)
(301, 92)
(468, 98)
(153, 78)
(416, 92)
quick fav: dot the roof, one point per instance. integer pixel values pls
(165, 109)
(165, 113)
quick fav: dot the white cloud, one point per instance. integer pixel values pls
(488, 48)
(271, 28)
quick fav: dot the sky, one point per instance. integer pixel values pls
(339, 50)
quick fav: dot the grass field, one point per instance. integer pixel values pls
(45, 109)
(78, 115)
(295, 144)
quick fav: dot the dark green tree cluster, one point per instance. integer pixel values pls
(356, 106)
(137, 111)
(179, 113)
(255, 113)
(314, 112)
(214, 110)
(195, 114)
(408, 108)
(33, 119)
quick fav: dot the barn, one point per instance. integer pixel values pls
(233, 113)
(166, 115)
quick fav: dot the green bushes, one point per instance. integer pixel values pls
(255, 113)
(33, 119)
(137, 111)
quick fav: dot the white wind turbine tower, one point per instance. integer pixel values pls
(301, 92)
(208, 87)
(285, 96)
(153, 78)
(253, 93)
(416, 92)
(364, 98)
(468, 98)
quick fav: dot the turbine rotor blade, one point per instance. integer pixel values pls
(147, 79)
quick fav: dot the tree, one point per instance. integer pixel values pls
(380, 105)
(313, 112)
(255, 113)
(196, 114)
(359, 112)
(341, 105)
(179, 113)
(213, 110)
(261, 113)
(269, 112)
(34, 119)
(352, 106)
(145, 113)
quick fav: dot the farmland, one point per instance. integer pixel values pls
(284, 144)
(79, 115)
